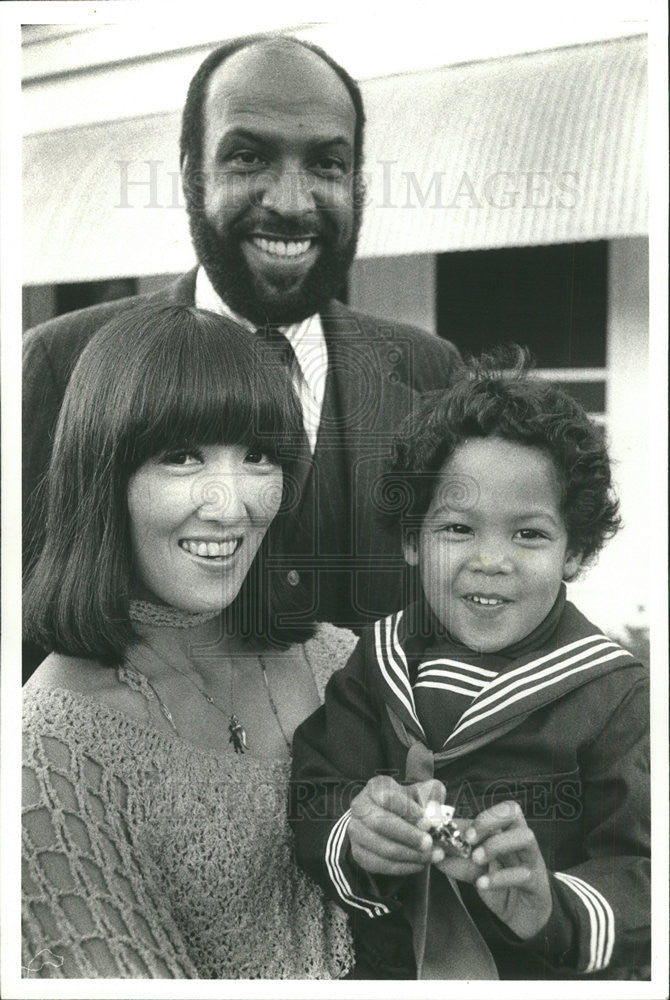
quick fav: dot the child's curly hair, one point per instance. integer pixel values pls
(498, 398)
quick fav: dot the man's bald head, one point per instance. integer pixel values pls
(192, 128)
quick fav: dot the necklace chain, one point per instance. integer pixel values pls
(237, 732)
(275, 711)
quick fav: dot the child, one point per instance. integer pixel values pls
(497, 686)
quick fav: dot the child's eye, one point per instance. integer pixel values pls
(182, 456)
(457, 529)
(530, 534)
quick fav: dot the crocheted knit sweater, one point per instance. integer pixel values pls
(146, 856)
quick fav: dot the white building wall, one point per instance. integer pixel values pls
(616, 590)
(397, 288)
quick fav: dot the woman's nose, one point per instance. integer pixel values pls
(220, 497)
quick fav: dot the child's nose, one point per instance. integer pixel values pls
(490, 559)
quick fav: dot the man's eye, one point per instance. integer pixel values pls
(245, 158)
(182, 456)
(330, 166)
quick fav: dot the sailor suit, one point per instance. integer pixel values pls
(557, 723)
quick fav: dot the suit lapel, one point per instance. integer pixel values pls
(181, 291)
(373, 400)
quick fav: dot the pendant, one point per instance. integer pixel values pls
(238, 736)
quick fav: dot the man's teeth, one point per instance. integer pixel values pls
(478, 599)
(210, 549)
(282, 248)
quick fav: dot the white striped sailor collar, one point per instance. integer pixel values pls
(573, 653)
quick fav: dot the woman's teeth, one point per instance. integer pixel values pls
(210, 550)
(282, 248)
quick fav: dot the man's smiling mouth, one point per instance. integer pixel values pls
(209, 549)
(281, 247)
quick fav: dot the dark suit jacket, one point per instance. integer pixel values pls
(345, 567)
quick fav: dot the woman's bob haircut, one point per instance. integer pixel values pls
(150, 380)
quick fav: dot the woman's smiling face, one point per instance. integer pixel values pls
(493, 547)
(197, 519)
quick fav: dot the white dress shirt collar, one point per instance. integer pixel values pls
(309, 346)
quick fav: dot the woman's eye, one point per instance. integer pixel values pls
(182, 456)
(256, 457)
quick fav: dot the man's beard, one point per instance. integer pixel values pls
(234, 281)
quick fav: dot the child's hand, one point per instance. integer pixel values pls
(383, 832)
(514, 882)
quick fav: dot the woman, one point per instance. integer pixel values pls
(157, 734)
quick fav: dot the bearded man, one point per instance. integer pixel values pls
(271, 157)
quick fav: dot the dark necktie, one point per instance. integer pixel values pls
(279, 348)
(279, 351)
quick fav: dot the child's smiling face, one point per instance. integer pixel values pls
(493, 547)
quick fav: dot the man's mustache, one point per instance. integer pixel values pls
(291, 227)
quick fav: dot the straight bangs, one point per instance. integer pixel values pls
(152, 379)
(205, 380)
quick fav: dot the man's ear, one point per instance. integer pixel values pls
(410, 548)
(573, 561)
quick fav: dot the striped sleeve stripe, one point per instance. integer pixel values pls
(528, 691)
(443, 686)
(601, 918)
(467, 667)
(338, 878)
(393, 673)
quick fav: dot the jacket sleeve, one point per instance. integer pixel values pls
(600, 922)
(335, 752)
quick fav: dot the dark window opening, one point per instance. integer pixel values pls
(552, 299)
(78, 295)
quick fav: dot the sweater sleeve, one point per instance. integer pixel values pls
(335, 752)
(92, 906)
(600, 921)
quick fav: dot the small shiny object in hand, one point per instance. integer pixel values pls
(444, 831)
